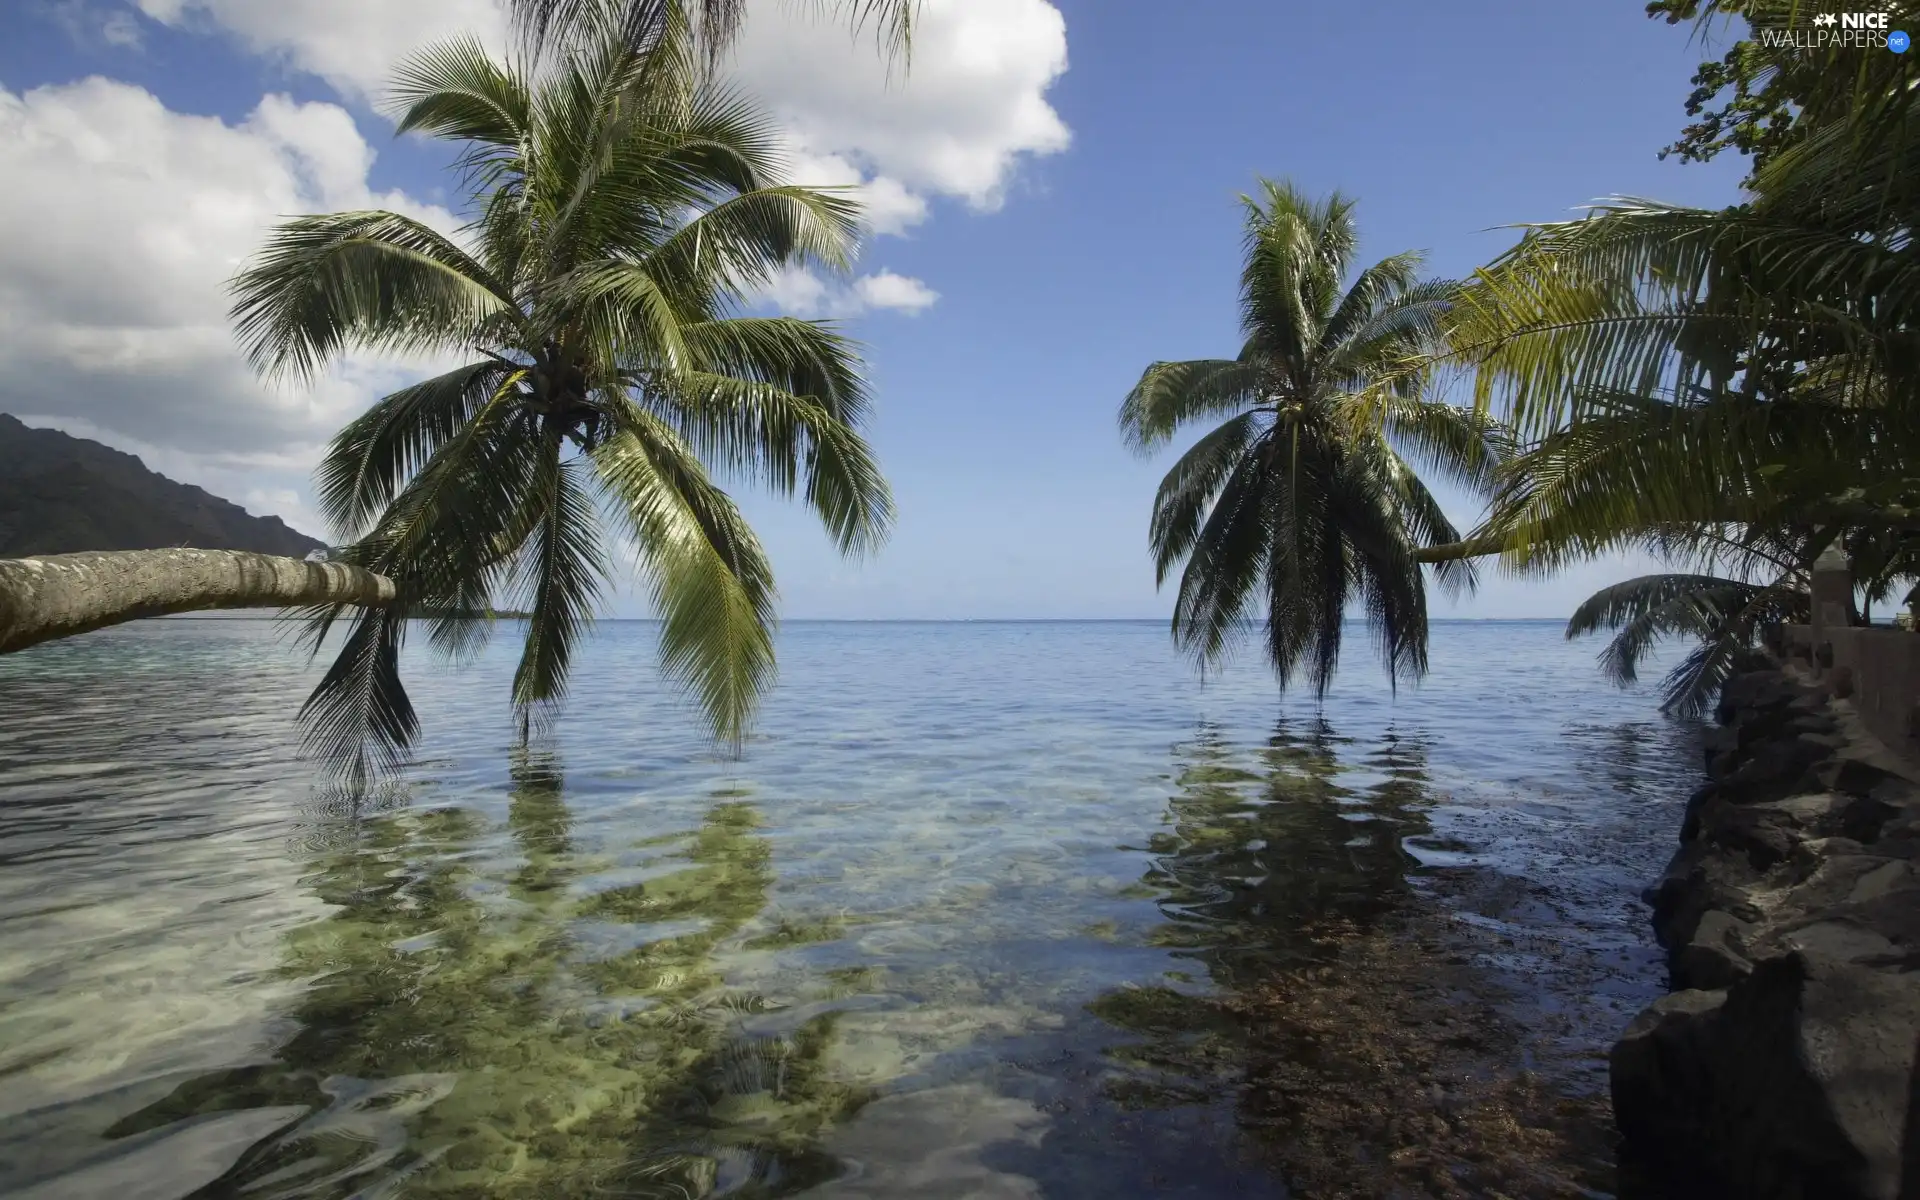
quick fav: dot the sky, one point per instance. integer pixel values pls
(1051, 189)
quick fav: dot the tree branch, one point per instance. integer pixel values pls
(1473, 547)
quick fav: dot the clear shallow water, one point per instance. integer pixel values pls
(913, 943)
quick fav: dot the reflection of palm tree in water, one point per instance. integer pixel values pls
(537, 814)
(1259, 860)
(1275, 856)
(463, 1037)
(1341, 1005)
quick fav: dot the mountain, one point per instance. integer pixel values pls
(60, 494)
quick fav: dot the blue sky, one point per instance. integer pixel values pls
(1073, 212)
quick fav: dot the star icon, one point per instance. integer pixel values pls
(1826, 19)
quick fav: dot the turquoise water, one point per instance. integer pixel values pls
(894, 950)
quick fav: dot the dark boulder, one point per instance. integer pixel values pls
(1784, 1067)
(1794, 1084)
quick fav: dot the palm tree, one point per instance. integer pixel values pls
(1300, 502)
(623, 207)
(44, 599)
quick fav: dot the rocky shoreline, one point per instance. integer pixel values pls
(1783, 1063)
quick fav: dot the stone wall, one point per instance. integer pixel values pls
(1876, 667)
(1783, 1065)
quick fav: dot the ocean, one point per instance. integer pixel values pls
(961, 920)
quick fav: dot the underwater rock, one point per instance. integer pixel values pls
(1783, 1066)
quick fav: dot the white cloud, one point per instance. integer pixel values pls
(886, 203)
(128, 219)
(804, 293)
(119, 29)
(352, 44)
(971, 105)
(958, 122)
(888, 290)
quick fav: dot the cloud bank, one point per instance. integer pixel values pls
(129, 216)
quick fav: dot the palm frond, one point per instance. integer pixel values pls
(1418, 516)
(779, 438)
(1297, 252)
(1188, 490)
(560, 576)
(447, 540)
(1309, 573)
(376, 280)
(1379, 287)
(1636, 465)
(456, 90)
(1642, 297)
(743, 242)
(367, 462)
(1171, 394)
(1374, 504)
(1723, 615)
(358, 718)
(1650, 607)
(1457, 443)
(710, 580)
(1225, 563)
(727, 144)
(644, 23)
(806, 358)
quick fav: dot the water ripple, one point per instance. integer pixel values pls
(889, 947)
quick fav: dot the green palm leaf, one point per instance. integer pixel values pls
(376, 280)
(1722, 614)
(455, 90)
(369, 460)
(644, 23)
(710, 580)
(1189, 489)
(560, 574)
(1171, 394)
(359, 719)
(779, 438)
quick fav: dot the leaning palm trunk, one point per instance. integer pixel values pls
(64, 594)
